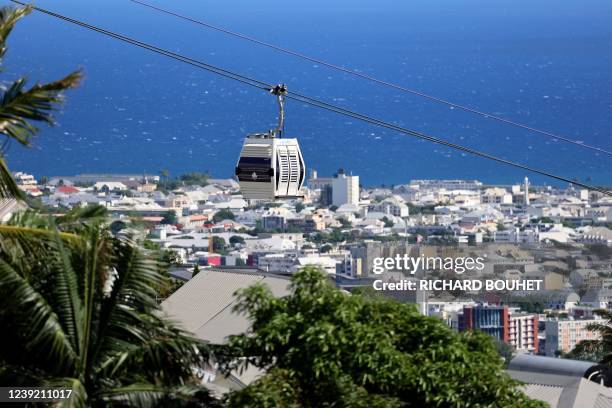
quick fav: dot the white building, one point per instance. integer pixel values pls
(345, 190)
(515, 235)
(394, 205)
(496, 196)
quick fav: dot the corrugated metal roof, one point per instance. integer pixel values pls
(546, 393)
(603, 402)
(204, 305)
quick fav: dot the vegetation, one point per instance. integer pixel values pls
(218, 245)
(388, 222)
(344, 222)
(87, 318)
(324, 348)
(224, 214)
(169, 218)
(187, 179)
(236, 239)
(425, 209)
(299, 206)
(325, 248)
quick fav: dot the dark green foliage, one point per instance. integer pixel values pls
(224, 214)
(218, 245)
(345, 223)
(325, 348)
(299, 206)
(236, 239)
(388, 222)
(426, 209)
(169, 217)
(187, 179)
(79, 310)
(196, 270)
(325, 248)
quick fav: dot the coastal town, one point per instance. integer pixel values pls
(561, 237)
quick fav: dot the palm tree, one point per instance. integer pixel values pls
(78, 310)
(164, 174)
(78, 306)
(20, 106)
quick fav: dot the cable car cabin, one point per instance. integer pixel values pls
(270, 168)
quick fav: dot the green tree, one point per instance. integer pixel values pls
(196, 270)
(224, 214)
(299, 206)
(388, 222)
(21, 106)
(345, 223)
(169, 217)
(236, 239)
(86, 318)
(163, 176)
(325, 248)
(194, 179)
(218, 245)
(324, 348)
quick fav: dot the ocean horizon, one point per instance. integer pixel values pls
(546, 64)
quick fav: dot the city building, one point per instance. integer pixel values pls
(519, 330)
(345, 189)
(563, 335)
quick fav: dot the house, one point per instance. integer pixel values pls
(109, 186)
(205, 307)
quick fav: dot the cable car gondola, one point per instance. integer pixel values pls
(270, 167)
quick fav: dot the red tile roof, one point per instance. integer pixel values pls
(67, 190)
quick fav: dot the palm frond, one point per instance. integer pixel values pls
(65, 292)
(78, 396)
(8, 18)
(25, 314)
(8, 187)
(134, 395)
(77, 217)
(20, 106)
(26, 247)
(149, 395)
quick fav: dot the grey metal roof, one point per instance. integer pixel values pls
(559, 382)
(549, 365)
(204, 305)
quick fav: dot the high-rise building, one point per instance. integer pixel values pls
(523, 334)
(345, 189)
(493, 320)
(519, 330)
(526, 188)
(564, 335)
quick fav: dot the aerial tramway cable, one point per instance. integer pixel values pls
(311, 101)
(371, 78)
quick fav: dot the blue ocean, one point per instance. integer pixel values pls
(544, 63)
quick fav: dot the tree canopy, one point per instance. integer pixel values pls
(324, 348)
(224, 214)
